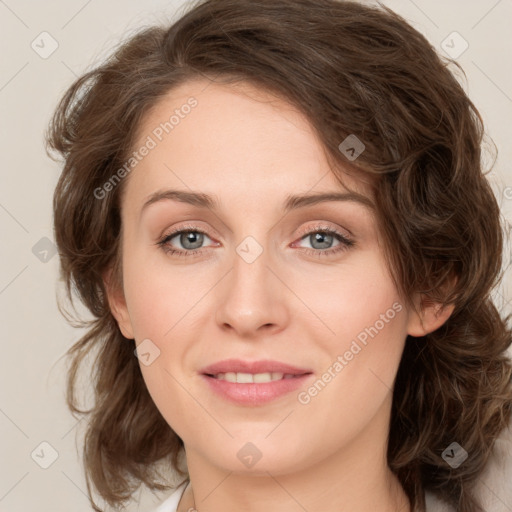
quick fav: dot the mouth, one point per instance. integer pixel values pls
(254, 378)
(261, 369)
(253, 383)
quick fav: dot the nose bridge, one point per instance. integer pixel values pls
(252, 296)
(251, 264)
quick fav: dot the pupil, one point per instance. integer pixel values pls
(323, 238)
(187, 238)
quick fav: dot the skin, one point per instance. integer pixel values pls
(251, 150)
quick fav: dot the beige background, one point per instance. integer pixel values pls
(32, 408)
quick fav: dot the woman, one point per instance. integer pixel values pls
(279, 208)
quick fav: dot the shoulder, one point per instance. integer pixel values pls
(495, 485)
(434, 504)
(494, 489)
(171, 502)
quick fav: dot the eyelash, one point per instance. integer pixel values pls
(345, 243)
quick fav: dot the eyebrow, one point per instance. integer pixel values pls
(202, 200)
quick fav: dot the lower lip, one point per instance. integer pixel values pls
(255, 393)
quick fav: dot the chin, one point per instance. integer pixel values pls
(258, 457)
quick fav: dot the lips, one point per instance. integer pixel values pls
(253, 367)
(253, 378)
(254, 383)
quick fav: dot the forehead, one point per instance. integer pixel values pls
(233, 137)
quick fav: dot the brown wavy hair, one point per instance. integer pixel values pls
(350, 69)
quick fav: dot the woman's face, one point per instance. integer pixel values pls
(255, 277)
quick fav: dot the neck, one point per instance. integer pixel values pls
(356, 478)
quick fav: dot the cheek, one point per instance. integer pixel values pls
(348, 299)
(365, 325)
(357, 380)
(159, 296)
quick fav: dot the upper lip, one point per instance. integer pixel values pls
(263, 366)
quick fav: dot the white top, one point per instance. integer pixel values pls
(171, 503)
(494, 488)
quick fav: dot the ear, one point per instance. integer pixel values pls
(432, 316)
(117, 303)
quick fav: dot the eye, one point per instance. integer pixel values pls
(321, 240)
(190, 238)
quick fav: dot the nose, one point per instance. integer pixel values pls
(253, 298)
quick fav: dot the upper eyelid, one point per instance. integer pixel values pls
(344, 242)
(182, 229)
(321, 226)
